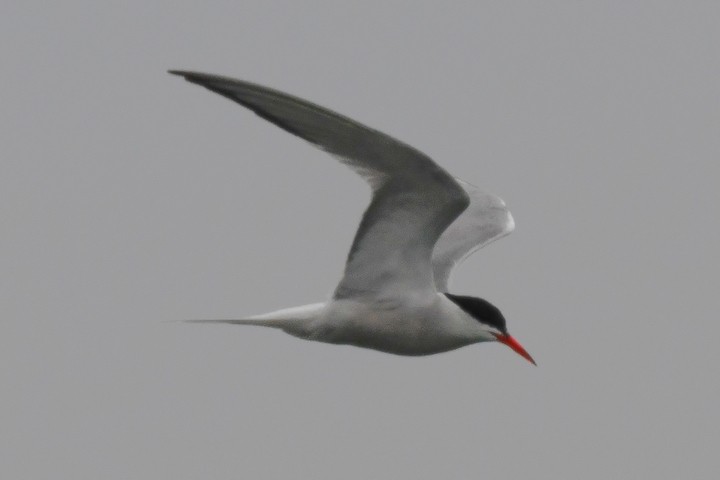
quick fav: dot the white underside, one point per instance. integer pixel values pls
(417, 326)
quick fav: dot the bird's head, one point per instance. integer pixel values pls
(491, 321)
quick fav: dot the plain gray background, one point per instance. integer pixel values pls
(129, 197)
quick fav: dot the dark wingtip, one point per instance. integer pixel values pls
(189, 76)
(195, 77)
(183, 73)
(198, 78)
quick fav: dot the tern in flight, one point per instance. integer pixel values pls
(421, 223)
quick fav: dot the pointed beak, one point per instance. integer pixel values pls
(515, 345)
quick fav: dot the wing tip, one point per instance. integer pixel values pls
(181, 73)
(193, 77)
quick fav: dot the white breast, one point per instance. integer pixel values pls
(409, 327)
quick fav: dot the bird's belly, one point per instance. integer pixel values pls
(399, 331)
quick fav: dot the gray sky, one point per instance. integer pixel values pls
(129, 197)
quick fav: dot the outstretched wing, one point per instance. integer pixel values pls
(414, 200)
(485, 220)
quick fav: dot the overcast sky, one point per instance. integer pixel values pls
(129, 197)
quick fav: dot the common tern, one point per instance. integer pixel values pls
(420, 224)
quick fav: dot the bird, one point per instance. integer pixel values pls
(421, 222)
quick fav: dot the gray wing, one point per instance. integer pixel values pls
(485, 220)
(414, 200)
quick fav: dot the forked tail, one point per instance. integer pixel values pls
(294, 320)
